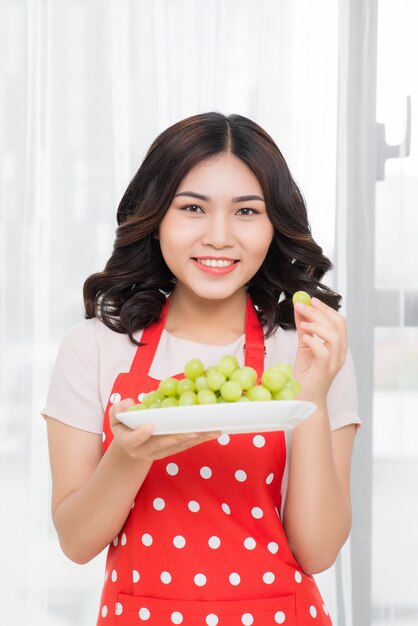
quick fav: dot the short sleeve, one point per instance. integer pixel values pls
(74, 395)
(342, 397)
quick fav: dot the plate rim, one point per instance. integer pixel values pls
(248, 425)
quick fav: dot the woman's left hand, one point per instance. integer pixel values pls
(322, 348)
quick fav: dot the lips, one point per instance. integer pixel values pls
(215, 265)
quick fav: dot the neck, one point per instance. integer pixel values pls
(204, 320)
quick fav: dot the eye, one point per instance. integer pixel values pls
(192, 208)
(247, 211)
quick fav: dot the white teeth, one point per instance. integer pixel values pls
(215, 262)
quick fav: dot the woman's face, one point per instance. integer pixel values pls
(216, 232)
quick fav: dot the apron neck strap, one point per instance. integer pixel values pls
(254, 339)
(150, 339)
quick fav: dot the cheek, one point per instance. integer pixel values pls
(261, 241)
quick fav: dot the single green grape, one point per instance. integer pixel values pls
(243, 399)
(168, 387)
(302, 296)
(294, 385)
(258, 393)
(227, 365)
(168, 402)
(215, 380)
(187, 398)
(245, 376)
(211, 368)
(153, 397)
(186, 384)
(220, 400)
(274, 379)
(284, 394)
(194, 368)
(285, 368)
(201, 382)
(206, 396)
(138, 407)
(231, 391)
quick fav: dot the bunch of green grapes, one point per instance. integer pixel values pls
(224, 382)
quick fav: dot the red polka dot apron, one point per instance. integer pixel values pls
(204, 544)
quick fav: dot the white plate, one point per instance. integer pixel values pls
(236, 417)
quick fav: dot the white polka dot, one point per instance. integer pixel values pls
(224, 439)
(226, 509)
(324, 608)
(205, 472)
(250, 543)
(259, 441)
(214, 542)
(118, 608)
(194, 506)
(257, 512)
(176, 617)
(144, 614)
(269, 479)
(115, 397)
(147, 539)
(172, 469)
(200, 580)
(279, 617)
(158, 504)
(179, 541)
(212, 619)
(241, 476)
(234, 578)
(298, 577)
(273, 547)
(123, 539)
(104, 610)
(313, 611)
(116, 541)
(141, 396)
(268, 578)
(247, 619)
(165, 577)
(103, 437)
(135, 576)
(114, 576)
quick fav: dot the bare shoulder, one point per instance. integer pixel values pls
(74, 455)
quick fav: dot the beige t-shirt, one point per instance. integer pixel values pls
(91, 356)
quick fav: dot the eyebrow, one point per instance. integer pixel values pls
(200, 196)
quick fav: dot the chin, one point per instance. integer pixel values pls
(214, 294)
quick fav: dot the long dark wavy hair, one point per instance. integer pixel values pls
(129, 294)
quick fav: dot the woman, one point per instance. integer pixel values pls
(205, 528)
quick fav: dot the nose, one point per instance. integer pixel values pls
(219, 232)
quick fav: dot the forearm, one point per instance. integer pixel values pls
(90, 518)
(317, 516)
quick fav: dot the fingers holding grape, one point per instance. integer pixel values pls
(322, 345)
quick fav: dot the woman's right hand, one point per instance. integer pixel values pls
(139, 443)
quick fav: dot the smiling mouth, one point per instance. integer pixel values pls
(215, 262)
(215, 266)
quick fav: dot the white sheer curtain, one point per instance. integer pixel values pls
(84, 89)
